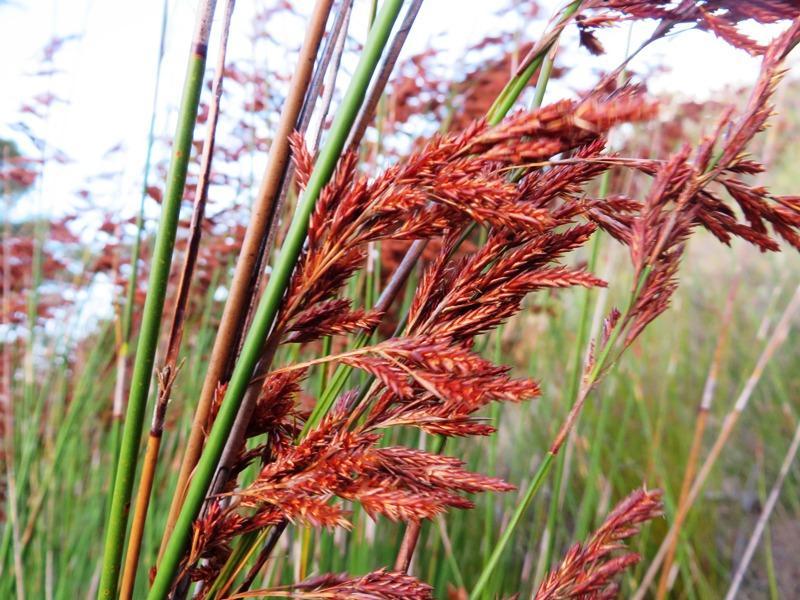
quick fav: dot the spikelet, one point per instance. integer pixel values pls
(588, 569)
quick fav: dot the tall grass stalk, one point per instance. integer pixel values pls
(506, 99)
(268, 306)
(601, 364)
(576, 374)
(329, 67)
(154, 304)
(332, 74)
(382, 78)
(123, 352)
(170, 369)
(327, 393)
(249, 259)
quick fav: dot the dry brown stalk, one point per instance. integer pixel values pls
(333, 52)
(238, 434)
(775, 340)
(263, 555)
(319, 85)
(332, 74)
(258, 227)
(700, 426)
(405, 553)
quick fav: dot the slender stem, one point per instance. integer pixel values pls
(237, 437)
(406, 552)
(118, 407)
(508, 532)
(332, 74)
(514, 88)
(303, 121)
(261, 560)
(170, 369)
(239, 297)
(270, 301)
(601, 364)
(154, 304)
(574, 385)
(387, 66)
(329, 390)
(139, 515)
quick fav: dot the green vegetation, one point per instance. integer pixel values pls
(373, 349)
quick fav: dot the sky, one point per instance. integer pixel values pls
(107, 72)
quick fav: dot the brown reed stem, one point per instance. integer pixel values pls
(700, 426)
(313, 94)
(777, 338)
(239, 296)
(407, 547)
(139, 515)
(315, 87)
(236, 439)
(263, 556)
(332, 74)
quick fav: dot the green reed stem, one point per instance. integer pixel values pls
(153, 307)
(513, 89)
(127, 315)
(270, 301)
(508, 533)
(547, 462)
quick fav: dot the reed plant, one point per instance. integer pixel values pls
(323, 431)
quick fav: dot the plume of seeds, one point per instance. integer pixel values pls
(588, 570)
(454, 180)
(377, 585)
(427, 378)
